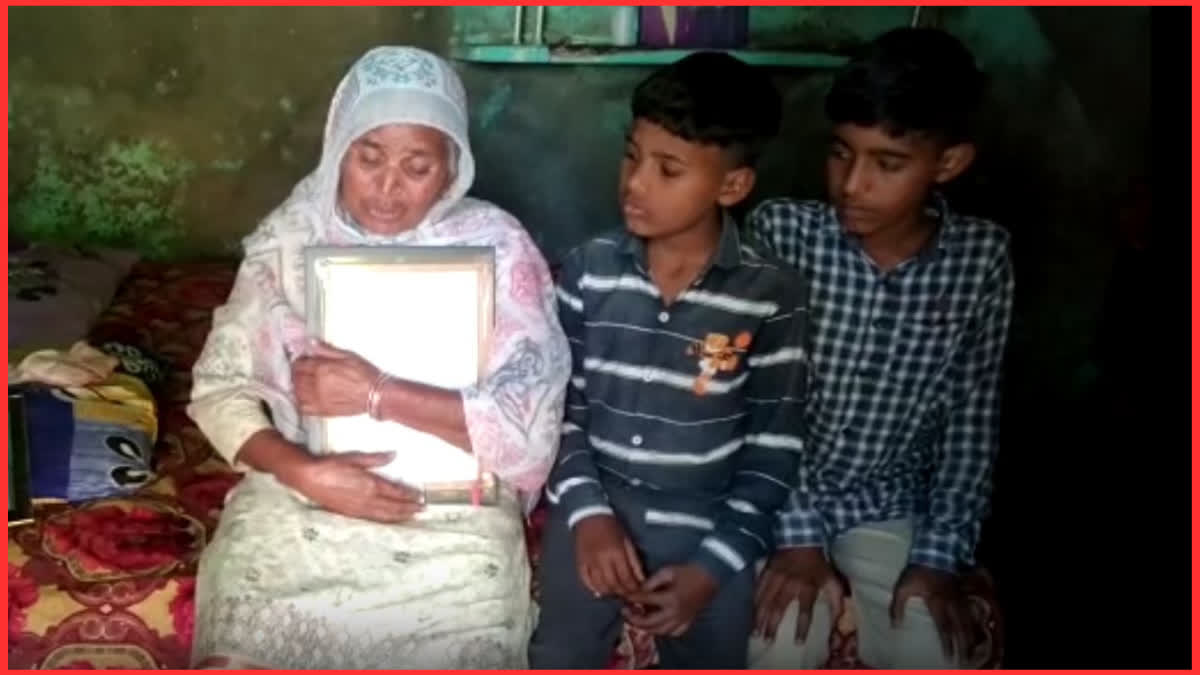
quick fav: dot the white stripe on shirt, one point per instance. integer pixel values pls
(777, 441)
(741, 505)
(675, 518)
(643, 456)
(785, 317)
(767, 477)
(785, 355)
(639, 329)
(625, 282)
(565, 458)
(724, 552)
(753, 536)
(572, 301)
(722, 301)
(587, 512)
(774, 401)
(554, 496)
(649, 374)
(667, 420)
(729, 303)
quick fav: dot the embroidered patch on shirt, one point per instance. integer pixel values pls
(717, 353)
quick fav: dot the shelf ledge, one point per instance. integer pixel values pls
(622, 56)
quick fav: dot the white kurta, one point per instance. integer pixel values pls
(285, 584)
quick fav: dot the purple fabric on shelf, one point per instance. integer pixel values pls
(694, 27)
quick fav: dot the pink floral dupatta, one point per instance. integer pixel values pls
(514, 413)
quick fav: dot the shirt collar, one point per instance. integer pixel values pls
(727, 256)
(946, 237)
(949, 230)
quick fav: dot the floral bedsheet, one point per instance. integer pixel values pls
(110, 583)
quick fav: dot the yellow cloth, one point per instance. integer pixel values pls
(80, 366)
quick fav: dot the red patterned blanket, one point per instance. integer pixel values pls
(109, 584)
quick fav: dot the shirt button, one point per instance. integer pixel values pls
(663, 317)
(636, 440)
(647, 376)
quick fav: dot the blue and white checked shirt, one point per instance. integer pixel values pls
(721, 460)
(903, 409)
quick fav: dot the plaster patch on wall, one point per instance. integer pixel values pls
(494, 104)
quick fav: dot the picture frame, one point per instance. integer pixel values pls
(20, 488)
(419, 313)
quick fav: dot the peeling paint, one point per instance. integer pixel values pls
(124, 194)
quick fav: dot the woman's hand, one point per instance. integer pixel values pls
(343, 483)
(332, 382)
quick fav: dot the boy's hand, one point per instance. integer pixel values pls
(672, 598)
(947, 605)
(798, 574)
(607, 561)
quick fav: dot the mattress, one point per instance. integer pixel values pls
(110, 583)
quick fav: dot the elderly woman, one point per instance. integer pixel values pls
(319, 562)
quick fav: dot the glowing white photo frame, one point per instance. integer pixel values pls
(420, 313)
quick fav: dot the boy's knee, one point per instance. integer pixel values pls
(786, 652)
(914, 643)
(574, 630)
(548, 651)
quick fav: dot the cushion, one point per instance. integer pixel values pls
(55, 293)
(89, 442)
(137, 362)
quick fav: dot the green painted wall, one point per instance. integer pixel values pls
(177, 128)
(227, 102)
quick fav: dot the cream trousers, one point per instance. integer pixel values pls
(871, 557)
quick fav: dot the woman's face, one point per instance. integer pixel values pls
(392, 175)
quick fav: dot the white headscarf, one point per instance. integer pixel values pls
(514, 413)
(396, 85)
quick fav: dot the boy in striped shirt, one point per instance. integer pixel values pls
(679, 442)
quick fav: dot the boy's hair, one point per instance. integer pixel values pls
(712, 98)
(920, 80)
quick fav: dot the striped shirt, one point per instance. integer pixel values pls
(902, 418)
(691, 402)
